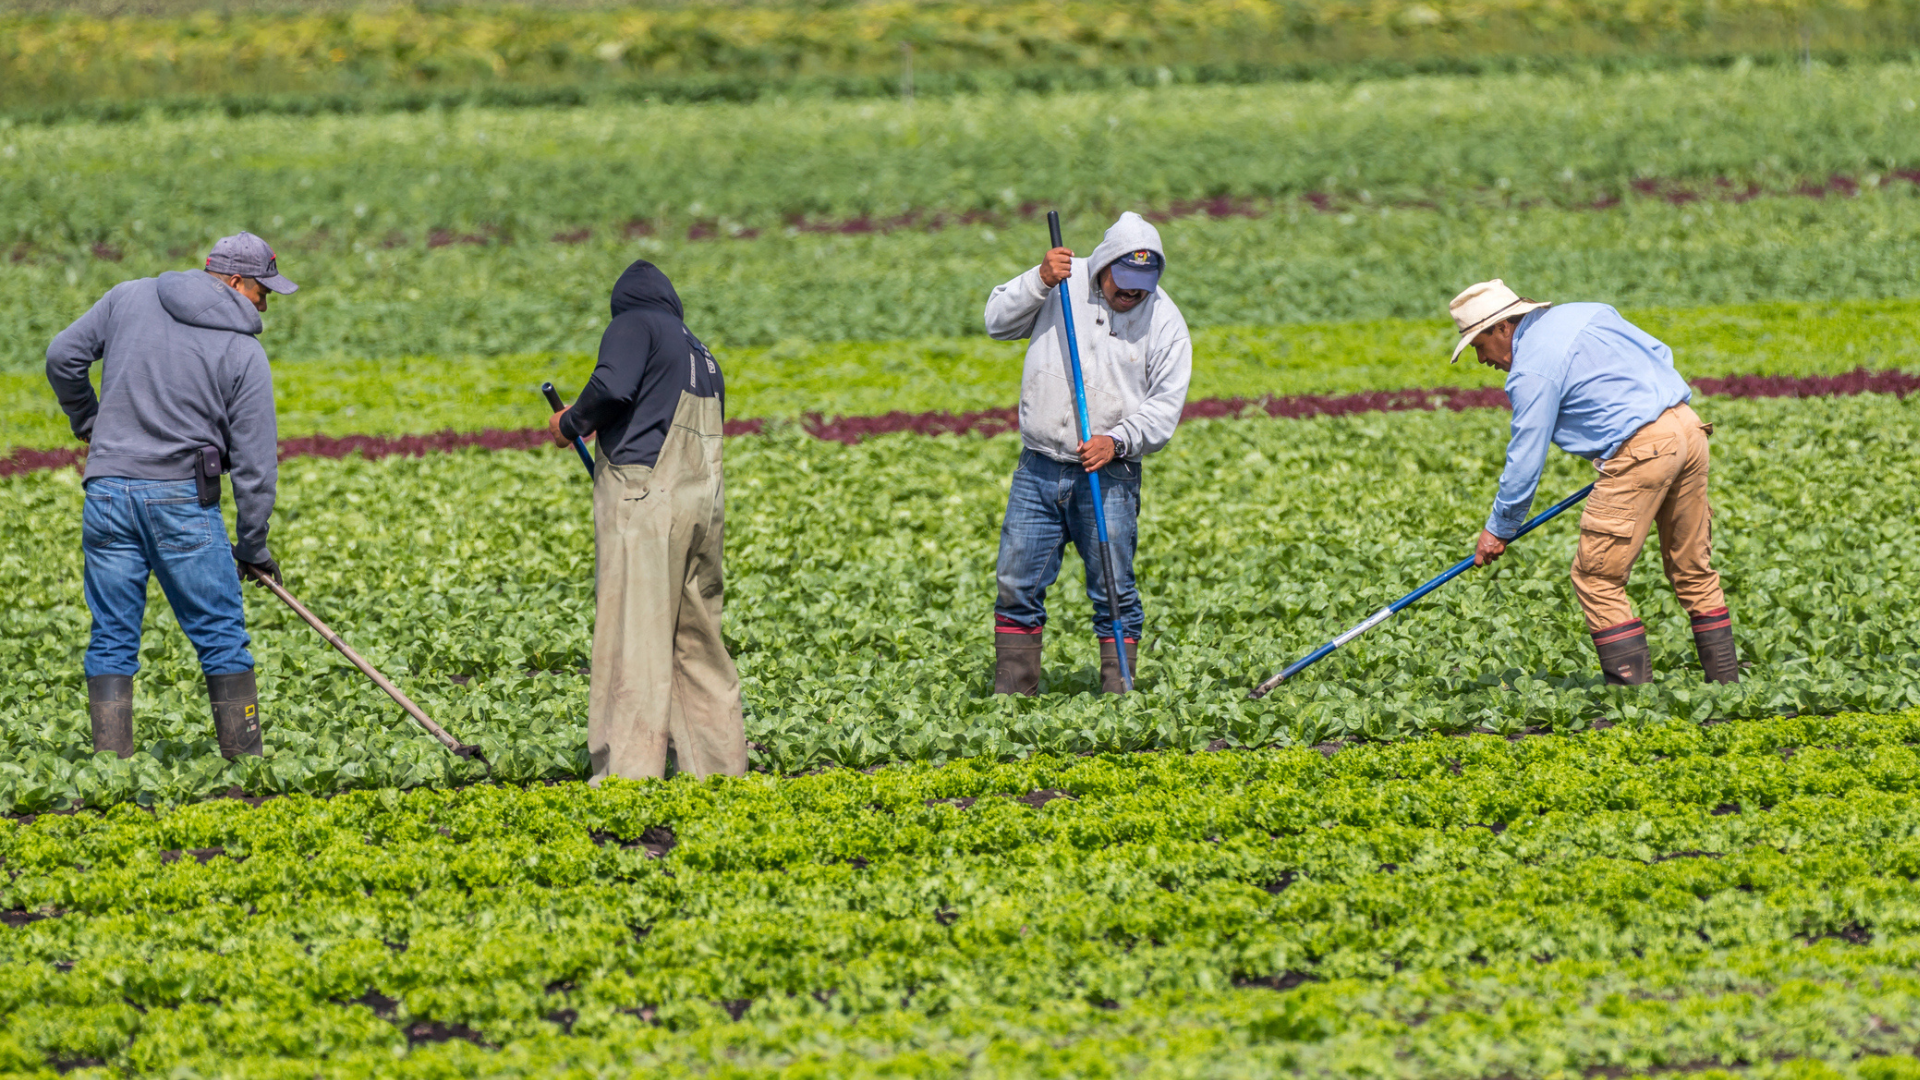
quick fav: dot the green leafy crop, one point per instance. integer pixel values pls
(860, 591)
(1732, 896)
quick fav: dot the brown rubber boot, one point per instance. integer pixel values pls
(1713, 639)
(110, 707)
(1110, 666)
(1624, 658)
(1016, 663)
(236, 714)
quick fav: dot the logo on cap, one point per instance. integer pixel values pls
(1141, 259)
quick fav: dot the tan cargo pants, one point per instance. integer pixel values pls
(661, 674)
(1658, 477)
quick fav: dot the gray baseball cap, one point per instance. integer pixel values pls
(249, 256)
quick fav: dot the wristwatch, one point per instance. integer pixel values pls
(1119, 446)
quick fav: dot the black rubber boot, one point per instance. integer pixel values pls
(1713, 638)
(1016, 663)
(110, 707)
(1624, 658)
(1110, 667)
(236, 714)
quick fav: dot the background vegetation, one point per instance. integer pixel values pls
(247, 57)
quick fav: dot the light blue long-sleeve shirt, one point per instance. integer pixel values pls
(1585, 379)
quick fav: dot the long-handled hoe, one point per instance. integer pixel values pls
(459, 749)
(579, 444)
(1111, 580)
(1395, 608)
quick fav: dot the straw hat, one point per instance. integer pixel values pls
(1482, 305)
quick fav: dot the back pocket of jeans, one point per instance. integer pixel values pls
(179, 524)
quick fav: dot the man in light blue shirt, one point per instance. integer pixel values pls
(1590, 382)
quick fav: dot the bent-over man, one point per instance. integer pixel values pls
(662, 678)
(185, 396)
(1598, 387)
(1136, 359)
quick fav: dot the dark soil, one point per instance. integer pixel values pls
(18, 919)
(1852, 934)
(203, 856)
(657, 840)
(433, 1031)
(1038, 799)
(1286, 980)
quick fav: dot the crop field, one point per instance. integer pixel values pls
(1450, 850)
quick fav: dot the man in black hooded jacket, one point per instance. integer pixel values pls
(661, 674)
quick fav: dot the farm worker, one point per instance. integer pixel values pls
(662, 678)
(185, 396)
(1599, 387)
(1136, 359)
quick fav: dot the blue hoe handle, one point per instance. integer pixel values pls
(1093, 478)
(579, 444)
(1401, 604)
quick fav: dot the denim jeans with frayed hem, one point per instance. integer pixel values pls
(1050, 504)
(133, 528)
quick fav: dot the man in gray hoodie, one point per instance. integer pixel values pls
(1136, 359)
(185, 396)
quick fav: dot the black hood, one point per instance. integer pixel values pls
(642, 285)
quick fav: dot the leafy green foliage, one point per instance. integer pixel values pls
(781, 47)
(472, 393)
(1636, 901)
(860, 591)
(1420, 201)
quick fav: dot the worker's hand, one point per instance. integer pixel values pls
(1490, 548)
(267, 567)
(553, 426)
(1096, 452)
(1056, 267)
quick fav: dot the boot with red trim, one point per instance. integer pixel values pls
(1110, 681)
(1016, 658)
(1624, 657)
(1713, 639)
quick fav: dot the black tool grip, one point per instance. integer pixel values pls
(553, 396)
(1053, 227)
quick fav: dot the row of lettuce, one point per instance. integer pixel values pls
(495, 232)
(403, 55)
(860, 586)
(413, 395)
(1731, 895)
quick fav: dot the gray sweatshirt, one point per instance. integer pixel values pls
(1136, 365)
(180, 369)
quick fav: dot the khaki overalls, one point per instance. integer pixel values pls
(661, 674)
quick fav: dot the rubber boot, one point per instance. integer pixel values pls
(1016, 663)
(1624, 658)
(110, 707)
(1110, 666)
(236, 714)
(1713, 639)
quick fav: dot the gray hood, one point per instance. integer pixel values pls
(197, 298)
(1131, 233)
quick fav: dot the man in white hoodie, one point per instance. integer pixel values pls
(1136, 359)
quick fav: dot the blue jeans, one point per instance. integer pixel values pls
(1050, 504)
(133, 528)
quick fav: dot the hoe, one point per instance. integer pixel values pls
(1394, 608)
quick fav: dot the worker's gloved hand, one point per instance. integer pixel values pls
(267, 567)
